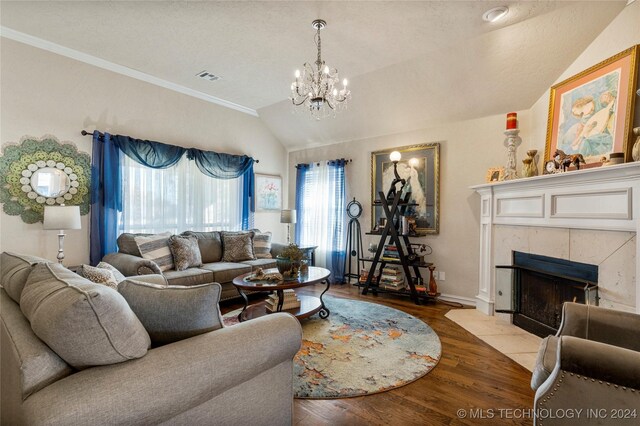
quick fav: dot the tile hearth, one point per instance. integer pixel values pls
(498, 332)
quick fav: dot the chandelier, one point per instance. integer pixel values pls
(317, 88)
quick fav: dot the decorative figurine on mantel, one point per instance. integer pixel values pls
(530, 168)
(511, 142)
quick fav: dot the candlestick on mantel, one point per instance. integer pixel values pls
(511, 142)
(512, 120)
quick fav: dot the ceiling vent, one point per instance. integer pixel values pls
(208, 76)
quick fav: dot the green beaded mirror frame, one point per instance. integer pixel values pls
(18, 164)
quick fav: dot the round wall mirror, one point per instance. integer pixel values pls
(50, 182)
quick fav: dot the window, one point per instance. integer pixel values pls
(320, 205)
(177, 199)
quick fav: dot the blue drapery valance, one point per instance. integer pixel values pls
(152, 154)
(220, 166)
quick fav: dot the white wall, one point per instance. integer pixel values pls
(622, 33)
(468, 148)
(44, 93)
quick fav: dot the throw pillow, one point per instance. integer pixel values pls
(99, 276)
(237, 247)
(172, 313)
(262, 245)
(156, 248)
(86, 324)
(210, 244)
(116, 273)
(185, 251)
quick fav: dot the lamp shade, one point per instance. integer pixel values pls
(62, 217)
(288, 216)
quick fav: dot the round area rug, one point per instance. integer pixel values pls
(361, 349)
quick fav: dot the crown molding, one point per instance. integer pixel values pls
(119, 69)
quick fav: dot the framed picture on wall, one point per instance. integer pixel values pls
(420, 167)
(591, 113)
(268, 192)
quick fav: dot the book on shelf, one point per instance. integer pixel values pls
(285, 306)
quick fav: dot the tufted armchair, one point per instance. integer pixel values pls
(592, 364)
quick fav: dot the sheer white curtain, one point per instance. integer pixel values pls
(177, 199)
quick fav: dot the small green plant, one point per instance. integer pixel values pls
(292, 252)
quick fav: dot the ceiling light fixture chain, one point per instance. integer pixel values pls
(316, 90)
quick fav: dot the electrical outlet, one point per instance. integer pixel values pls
(441, 275)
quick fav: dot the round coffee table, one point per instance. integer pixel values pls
(309, 305)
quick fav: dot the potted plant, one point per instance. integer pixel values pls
(288, 262)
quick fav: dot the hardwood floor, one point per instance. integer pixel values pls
(471, 376)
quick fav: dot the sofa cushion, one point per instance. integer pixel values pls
(156, 249)
(185, 251)
(34, 363)
(191, 276)
(237, 247)
(84, 323)
(545, 361)
(262, 245)
(261, 263)
(224, 272)
(210, 244)
(172, 313)
(14, 271)
(98, 276)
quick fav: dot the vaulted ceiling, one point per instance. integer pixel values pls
(411, 64)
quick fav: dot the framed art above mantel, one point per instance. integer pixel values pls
(592, 113)
(420, 167)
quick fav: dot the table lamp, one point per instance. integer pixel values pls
(61, 218)
(288, 217)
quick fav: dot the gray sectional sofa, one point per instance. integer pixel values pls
(129, 261)
(231, 376)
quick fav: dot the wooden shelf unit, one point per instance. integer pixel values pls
(394, 210)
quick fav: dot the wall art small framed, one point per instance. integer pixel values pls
(495, 174)
(420, 167)
(592, 112)
(268, 189)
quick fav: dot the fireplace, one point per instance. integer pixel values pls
(534, 287)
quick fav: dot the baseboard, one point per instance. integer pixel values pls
(484, 306)
(467, 301)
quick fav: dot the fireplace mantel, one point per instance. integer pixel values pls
(603, 198)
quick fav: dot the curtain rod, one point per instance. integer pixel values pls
(318, 162)
(85, 133)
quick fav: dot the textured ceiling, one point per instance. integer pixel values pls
(410, 64)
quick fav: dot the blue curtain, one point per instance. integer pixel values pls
(301, 178)
(248, 199)
(106, 196)
(148, 153)
(336, 217)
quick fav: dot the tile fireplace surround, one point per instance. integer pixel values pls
(589, 216)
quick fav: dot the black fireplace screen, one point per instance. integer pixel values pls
(534, 288)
